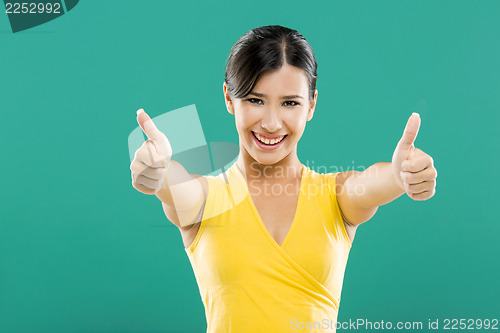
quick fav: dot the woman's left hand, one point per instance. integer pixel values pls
(413, 169)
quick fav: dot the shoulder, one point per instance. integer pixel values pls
(341, 177)
(211, 182)
(335, 182)
(347, 197)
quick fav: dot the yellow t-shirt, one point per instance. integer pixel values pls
(247, 281)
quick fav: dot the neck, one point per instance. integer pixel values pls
(289, 168)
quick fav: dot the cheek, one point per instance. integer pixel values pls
(242, 124)
(295, 123)
(244, 120)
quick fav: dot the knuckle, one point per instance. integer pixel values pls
(137, 153)
(137, 186)
(418, 196)
(157, 174)
(410, 178)
(415, 188)
(138, 168)
(141, 180)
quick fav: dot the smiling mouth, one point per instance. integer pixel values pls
(268, 142)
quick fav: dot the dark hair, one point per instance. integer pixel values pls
(266, 49)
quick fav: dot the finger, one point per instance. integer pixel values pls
(427, 174)
(421, 187)
(419, 162)
(410, 132)
(142, 189)
(423, 195)
(154, 173)
(148, 126)
(148, 183)
(140, 169)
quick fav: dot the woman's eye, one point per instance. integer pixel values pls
(254, 100)
(294, 103)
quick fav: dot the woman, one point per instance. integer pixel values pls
(269, 238)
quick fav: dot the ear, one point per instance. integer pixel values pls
(310, 112)
(229, 102)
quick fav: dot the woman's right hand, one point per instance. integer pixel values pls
(149, 167)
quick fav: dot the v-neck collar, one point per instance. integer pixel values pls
(257, 215)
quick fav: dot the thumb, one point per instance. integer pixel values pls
(148, 127)
(410, 132)
(155, 136)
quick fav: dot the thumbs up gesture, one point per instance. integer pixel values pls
(151, 160)
(414, 169)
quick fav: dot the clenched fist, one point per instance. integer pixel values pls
(151, 160)
(413, 168)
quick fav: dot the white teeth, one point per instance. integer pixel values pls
(267, 141)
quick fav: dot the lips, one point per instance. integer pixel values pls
(268, 136)
(269, 146)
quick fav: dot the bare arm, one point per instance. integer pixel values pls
(361, 193)
(374, 187)
(183, 195)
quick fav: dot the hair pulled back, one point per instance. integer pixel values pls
(265, 49)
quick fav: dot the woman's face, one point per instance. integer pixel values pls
(271, 119)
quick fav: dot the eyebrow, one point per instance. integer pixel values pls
(283, 97)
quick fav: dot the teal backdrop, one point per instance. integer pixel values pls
(82, 251)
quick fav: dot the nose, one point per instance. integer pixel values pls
(271, 121)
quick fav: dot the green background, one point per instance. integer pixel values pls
(82, 251)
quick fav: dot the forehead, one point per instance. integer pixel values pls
(285, 81)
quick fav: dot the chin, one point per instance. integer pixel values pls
(269, 158)
(267, 161)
